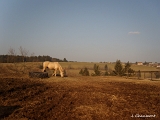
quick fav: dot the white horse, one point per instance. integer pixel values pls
(53, 66)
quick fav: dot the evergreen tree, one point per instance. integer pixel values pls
(106, 67)
(118, 68)
(65, 60)
(97, 72)
(128, 69)
(84, 72)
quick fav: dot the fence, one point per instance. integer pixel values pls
(148, 74)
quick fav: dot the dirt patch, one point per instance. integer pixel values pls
(80, 98)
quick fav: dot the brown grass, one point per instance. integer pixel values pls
(76, 97)
(91, 98)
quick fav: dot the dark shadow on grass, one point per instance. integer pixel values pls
(58, 75)
(5, 111)
(154, 80)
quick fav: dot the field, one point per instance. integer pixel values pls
(77, 97)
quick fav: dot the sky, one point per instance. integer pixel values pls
(82, 30)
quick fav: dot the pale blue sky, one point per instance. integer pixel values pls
(82, 30)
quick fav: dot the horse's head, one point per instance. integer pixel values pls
(63, 72)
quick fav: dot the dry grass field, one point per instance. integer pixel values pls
(76, 97)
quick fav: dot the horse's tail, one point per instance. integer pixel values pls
(60, 68)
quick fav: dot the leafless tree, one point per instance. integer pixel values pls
(23, 52)
(11, 51)
(18, 67)
(11, 58)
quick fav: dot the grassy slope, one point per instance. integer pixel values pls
(80, 98)
(77, 97)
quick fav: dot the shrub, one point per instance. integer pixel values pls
(106, 70)
(127, 69)
(97, 72)
(157, 74)
(118, 68)
(120, 71)
(84, 72)
(106, 73)
(106, 67)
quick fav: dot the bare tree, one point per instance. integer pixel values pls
(32, 54)
(11, 51)
(18, 67)
(12, 55)
(12, 58)
(23, 52)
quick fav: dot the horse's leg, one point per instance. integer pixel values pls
(54, 73)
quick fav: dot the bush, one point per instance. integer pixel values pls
(118, 68)
(120, 71)
(107, 70)
(106, 67)
(106, 73)
(97, 72)
(157, 74)
(84, 72)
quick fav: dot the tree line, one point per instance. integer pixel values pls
(12, 57)
(119, 70)
(21, 58)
